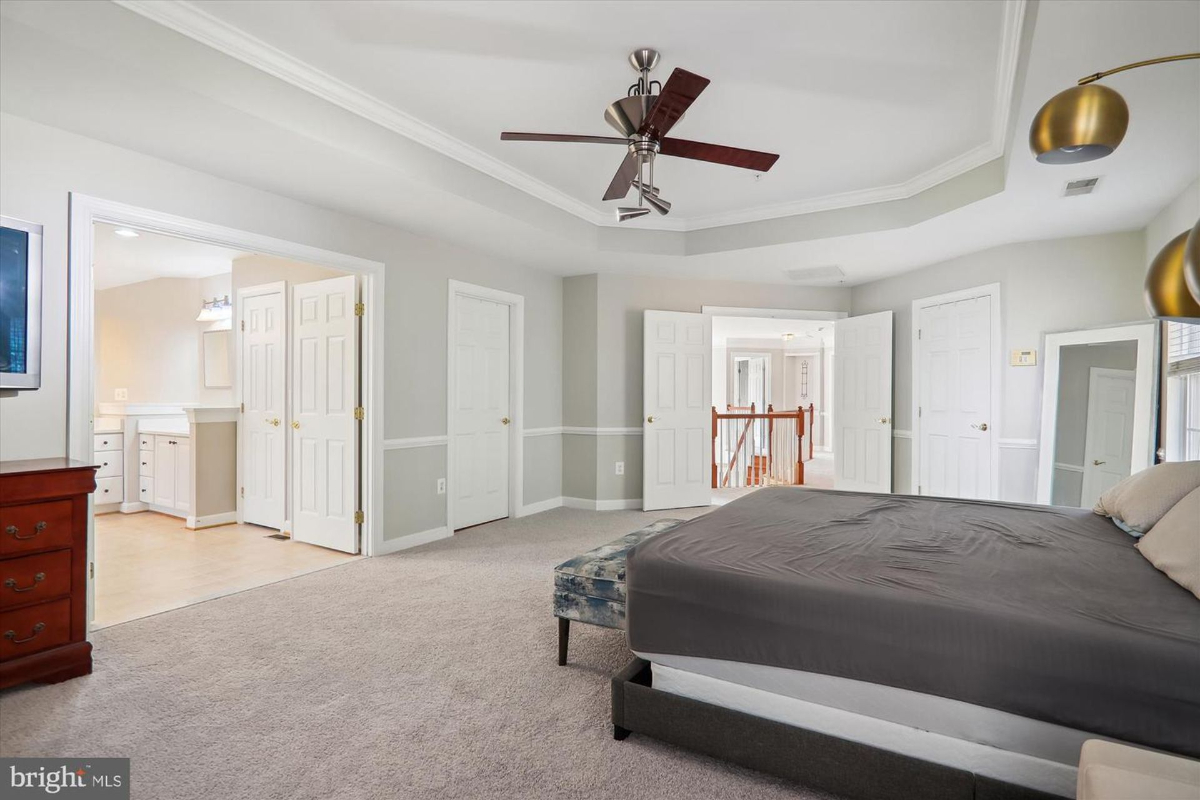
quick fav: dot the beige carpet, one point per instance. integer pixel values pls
(425, 674)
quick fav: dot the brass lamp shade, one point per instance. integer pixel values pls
(1167, 295)
(1081, 124)
(1191, 262)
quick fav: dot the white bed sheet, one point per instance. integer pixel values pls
(985, 741)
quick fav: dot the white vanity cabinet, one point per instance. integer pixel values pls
(165, 472)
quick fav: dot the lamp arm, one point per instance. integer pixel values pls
(1135, 65)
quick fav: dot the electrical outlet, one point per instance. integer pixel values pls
(441, 486)
(121, 394)
(620, 467)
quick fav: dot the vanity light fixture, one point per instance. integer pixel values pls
(215, 310)
(1087, 121)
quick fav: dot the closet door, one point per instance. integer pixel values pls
(263, 433)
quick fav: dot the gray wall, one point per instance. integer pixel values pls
(613, 355)
(1074, 388)
(41, 165)
(1047, 286)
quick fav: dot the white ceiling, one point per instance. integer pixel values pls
(118, 261)
(219, 100)
(807, 334)
(855, 96)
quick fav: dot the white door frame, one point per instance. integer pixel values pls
(516, 390)
(85, 211)
(1145, 390)
(242, 294)
(991, 291)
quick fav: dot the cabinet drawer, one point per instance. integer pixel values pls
(108, 441)
(110, 490)
(145, 442)
(33, 579)
(111, 464)
(35, 526)
(34, 628)
(146, 487)
(146, 463)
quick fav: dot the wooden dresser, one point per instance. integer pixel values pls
(43, 570)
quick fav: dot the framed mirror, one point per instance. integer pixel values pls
(217, 374)
(1098, 411)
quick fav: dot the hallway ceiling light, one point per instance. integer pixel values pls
(126, 233)
(1087, 121)
(215, 310)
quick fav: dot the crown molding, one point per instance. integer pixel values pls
(188, 20)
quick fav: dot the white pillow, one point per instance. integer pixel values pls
(1141, 500)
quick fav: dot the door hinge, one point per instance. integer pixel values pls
(360, 413)
(918, 333)
(243, 324)
(920, 411)
(242, 407)
(359, 518)
(243, 491)
(360, 309)
(92, 570)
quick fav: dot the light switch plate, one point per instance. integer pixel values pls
(620, 467)
(1023, 358)
(441, 486)
(121, 394)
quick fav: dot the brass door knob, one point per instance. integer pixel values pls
(884, 420)
(650, 419)
(296, 424)
(1096, 463)
(980, 427)
(505, 421)
(274, 422)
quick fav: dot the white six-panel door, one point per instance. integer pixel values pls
(954, 399)
(325, 438)
(862, 403)
(264, 329)
(677, 410)
(1108, 446)
(481, 411)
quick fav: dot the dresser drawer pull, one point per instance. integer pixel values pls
(14, 531)
(11, 583)
(12, 635)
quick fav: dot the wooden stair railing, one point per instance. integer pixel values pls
(760, 468)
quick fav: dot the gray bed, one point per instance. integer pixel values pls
(1044, 612)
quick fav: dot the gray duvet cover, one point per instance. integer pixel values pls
(1042, 611)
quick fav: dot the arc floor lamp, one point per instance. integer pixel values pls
(1088, 121)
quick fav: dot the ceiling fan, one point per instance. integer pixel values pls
(643, 119)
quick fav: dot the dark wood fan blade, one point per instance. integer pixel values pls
(623, 179)
(718, 154)
(510, 136)
(679, 92)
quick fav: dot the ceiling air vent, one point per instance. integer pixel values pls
(815, 274)
(1084, 186)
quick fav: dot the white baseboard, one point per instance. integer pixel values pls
(412, 540)
(212, 520)
(133, 508)
(586, 504)
(540, 506)
(170, 512)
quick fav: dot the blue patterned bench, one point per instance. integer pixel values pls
(591, 588)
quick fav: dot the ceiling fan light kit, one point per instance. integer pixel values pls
(643, 118)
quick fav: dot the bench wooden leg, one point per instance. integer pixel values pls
(564, 634)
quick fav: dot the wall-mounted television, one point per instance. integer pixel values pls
(20, 304)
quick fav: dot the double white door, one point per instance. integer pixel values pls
(312, 448)
(954, 399)
(481, 413)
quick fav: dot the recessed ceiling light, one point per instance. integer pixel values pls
(126, 233)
